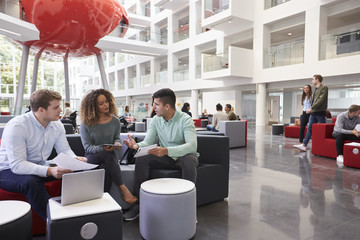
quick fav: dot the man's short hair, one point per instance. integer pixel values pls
(228, 106)
(166, 96)
(42, 98)
(218, 107)
(354, 108)
(67, 104)
(318, 77)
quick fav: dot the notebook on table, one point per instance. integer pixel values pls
(81, 186)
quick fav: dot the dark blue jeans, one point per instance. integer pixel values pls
(314, 118)
(33, 187)
(211, 128)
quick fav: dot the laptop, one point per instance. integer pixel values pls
(81, 186)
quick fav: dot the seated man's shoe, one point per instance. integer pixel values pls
(340, 159)
(300, 147)
(132, 214)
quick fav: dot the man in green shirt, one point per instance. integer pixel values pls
(231, 114)
(178, 143)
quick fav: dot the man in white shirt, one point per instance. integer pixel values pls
(217, 117)
(344, 129)
(26, 144)
(68, 111)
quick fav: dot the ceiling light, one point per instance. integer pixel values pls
(230, 21)
(289, 34)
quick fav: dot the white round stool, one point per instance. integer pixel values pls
(167, 209)
(15, 220)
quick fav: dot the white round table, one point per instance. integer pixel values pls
(15, 220)
(167, 208)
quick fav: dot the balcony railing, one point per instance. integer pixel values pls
(339, 45)
(214, 62)
(182, 33)
(131, 82)
(181, 74)
(273, 3)
(145, 80)
(161, 77)
(213, 7)
(140, 35)
(284, 54)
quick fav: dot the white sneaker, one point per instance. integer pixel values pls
(340, 159)
(301, 147)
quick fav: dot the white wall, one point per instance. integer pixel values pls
(210, 99)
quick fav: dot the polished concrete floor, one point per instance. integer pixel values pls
(278, 193)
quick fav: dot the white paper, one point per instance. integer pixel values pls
(144, 151)
(355, 144)
(357, 127)
(71, 163)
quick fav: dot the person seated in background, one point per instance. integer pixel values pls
(344, 129)
(28, 109)
(186, 108)
(26, 144)
(100, 126)
(204, 114)
(217, 117)
(127, 115)
(127, 112)
(67, 111)
(178, 143)
(230, 113)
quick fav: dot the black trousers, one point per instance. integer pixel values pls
(340, 138)
(187, 164)
(304, 119)
(108, 161)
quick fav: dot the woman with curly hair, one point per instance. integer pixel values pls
(100, 126)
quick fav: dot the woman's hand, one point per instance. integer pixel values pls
(118, 146)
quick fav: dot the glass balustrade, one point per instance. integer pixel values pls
(131, 82)
(273, 3)
(181, 74)
(213, 7)
(284, 54)
(214, 62)
(161, 77)
(182, 33)
(339, 45)
(145, 80)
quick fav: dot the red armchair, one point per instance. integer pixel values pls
(323, 143)
(38, 224)
(293, 131)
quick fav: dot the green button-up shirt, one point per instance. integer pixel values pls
(178, 134)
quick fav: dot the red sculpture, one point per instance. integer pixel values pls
(71, 28)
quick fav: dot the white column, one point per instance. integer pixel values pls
(261, 106)
(194, 103)
(128, 101)
(316, 25)
(192, 18)
(66, 74)
(22, 78)
(238, 101)
(102, 72)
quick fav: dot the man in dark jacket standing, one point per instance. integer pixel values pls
(317, 110)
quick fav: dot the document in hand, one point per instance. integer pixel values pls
(144, 151)
(71, 163)
(357, 127)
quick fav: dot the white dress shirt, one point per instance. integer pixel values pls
(26, 145)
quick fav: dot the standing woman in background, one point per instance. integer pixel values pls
(99, 126)
(306, 101)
